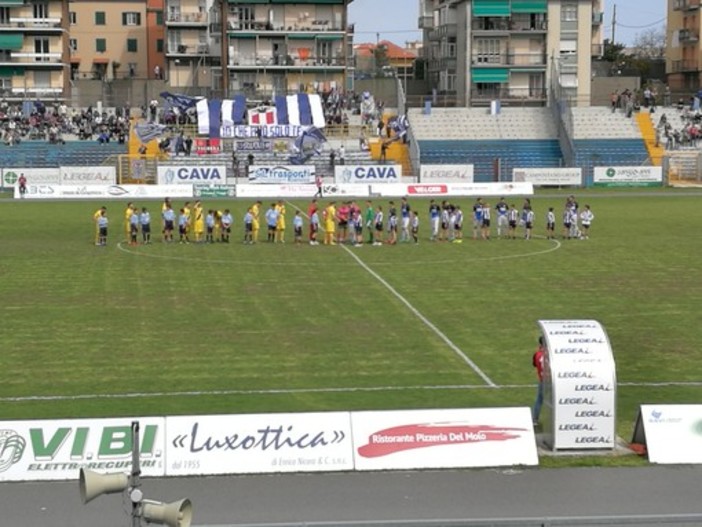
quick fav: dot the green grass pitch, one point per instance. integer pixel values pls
(193, 329)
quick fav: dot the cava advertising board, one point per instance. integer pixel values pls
(673, 432)
(417, 439)
(58, 449)
(191, 174)
(581, 383)
(555, 177)
(369, 174)
(628, 176)
(446, 174)
(265, 443)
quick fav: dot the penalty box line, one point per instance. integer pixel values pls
(415, 312)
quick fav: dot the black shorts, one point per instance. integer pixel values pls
(210, 230)
(168, 225)
(379, 227)
(314, 227)
(227, 229)
(415, 230)
(146, 229)
(444, 225)
(528, 225)
(103, 232)
(298, 231)
(182, 229)
(248, 227)
(133, 228)
(457, 227)
(359, 229)
(271, 228)
(513, 224)
(22, 189)
(566, 225)
(486, 223)
(550, 226)
(343, 223)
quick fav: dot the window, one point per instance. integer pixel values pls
(568, 47)
(569, 12)
(41, 46)
(159, 45)
(159, 18)
(131, 19)
(72, 18)
(4, 15)
(99, 18)
(73, 44)
(132, 45)
(100, 45)
(488, 51)
(40, 10)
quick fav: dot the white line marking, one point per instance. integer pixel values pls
(287, 391)
(415, 312)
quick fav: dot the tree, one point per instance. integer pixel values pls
(650, 44)
(613, 52)
(380, 57)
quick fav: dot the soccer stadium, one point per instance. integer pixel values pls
(309, 298)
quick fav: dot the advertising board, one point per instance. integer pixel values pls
(673, 432)
(214, 191)
(58, 449)
(106, 191)
(555, 177)
(345, 174)
(265, 443)
(580, 389)
(416, 439)
(275, 191)
(451, 189)
(628, 176)
(190, 174)
(35, 176)
(446, 174)
(277, 174)
(88, 175)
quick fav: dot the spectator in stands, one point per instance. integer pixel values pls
(188, 145)
(342, 155)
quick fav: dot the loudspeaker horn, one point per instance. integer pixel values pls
(93, 484)
(176, 514)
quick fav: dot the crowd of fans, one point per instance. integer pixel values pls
(56, 123)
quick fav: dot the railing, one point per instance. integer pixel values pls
(54, 58)
(507, 24)
(688, 35)
(679, 66)
(443, 31)
(234, 24)
(510, 59)
(597, 18)
(189, 18)
(425, 22)
(686, 5)
(508, 93)
(189, 49)
(34, 23)
(286, 61)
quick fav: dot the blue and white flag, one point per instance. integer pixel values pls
(307, 145)
(301, 109)
(399, 125)
(177, 100)
(146, 132)
(213, 114)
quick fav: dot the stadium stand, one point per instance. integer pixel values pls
(41, 154)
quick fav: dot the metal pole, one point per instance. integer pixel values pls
(134, 481)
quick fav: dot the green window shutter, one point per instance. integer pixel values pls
(11, 41)
(159, 45)
(490, 75)
(138, 19)
(159, 18)
(100, 45)
(529, 6)
(491, 8)
(99, 18)
(132, 45)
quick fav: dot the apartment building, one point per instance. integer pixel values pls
(683, 54)
(107, 39)
(482, 50)
(282, 46)
(33, 50)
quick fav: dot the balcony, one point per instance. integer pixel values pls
(285, 63)
(188, 50)
(686, 5)
(444, 31)
(39, 59)
(683, 66)
(535, 60)
(268, 29)
(504, 92)
(509, 25)
(425, 22)
(51, 25)
(187, 19)
(688, 36)
(597, 18)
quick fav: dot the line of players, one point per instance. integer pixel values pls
(345, 223)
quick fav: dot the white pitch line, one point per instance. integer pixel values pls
(415, 312)
(289, 391)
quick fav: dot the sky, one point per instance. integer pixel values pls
(396, 20)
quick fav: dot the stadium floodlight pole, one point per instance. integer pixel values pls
(135, 494)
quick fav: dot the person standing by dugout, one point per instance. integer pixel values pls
(537, 361)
